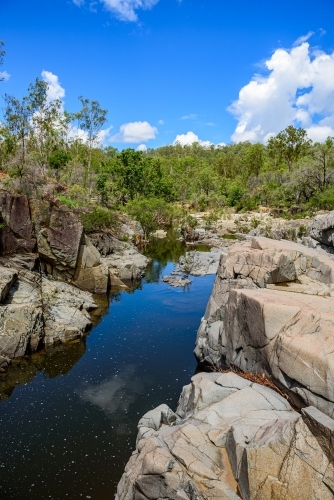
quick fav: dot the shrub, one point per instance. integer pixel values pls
(99, 218)
(152, 213)
(68, 202)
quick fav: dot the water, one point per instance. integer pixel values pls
(69, 426)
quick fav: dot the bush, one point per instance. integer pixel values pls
(68, 202)
(99, 218)
(152, 213)
(79, 194)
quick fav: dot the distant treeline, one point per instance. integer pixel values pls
(41, 143)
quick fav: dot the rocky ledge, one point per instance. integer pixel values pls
(271, 313)
(49, 271)
(231, 438)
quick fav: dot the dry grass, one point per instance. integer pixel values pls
(258, 378)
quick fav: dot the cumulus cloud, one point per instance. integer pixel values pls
(4, 76)
(126, 9)
(142, 147)
(135, 132)
(55, 90)
(190, 138)
(299, 90)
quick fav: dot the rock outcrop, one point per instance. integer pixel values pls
(271, 311)
(16, 235)
(322, 229)
(38, 311)
(230, 438)
(48, 272)
(200, 263)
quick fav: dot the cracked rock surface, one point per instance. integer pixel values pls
(272, 310)
(229, 438)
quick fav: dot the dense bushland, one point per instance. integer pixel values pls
(41, 144)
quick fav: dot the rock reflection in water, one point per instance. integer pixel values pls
(58, 360)
(69, 432)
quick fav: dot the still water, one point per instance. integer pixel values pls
(68, 417)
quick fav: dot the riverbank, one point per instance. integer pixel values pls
(271, 313)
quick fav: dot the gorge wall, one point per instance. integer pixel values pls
(271, 313)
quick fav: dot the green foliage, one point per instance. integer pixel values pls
(78, 194)
(99, 218)
(36, 142)
(152, 213)
(68, 202)
(289, 145)
(234, 191)
(58, 159)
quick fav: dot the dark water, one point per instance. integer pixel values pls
(69, 426)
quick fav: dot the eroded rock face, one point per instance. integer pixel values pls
(271, 310)
(17, 233)
(59, 244)
(228, 436)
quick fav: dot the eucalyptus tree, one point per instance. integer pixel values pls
(323, 157)
(289, 145)
(2, 55)
(91, 119)
(18, 114)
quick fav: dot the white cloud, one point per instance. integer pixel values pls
(4, 76)
(126, 9)
(190, 138)
(142, 147)
(79, 2)
(55, 90)
(161, 122)
(303, 38)
(135, 132)
(192, 116)
(299, 90)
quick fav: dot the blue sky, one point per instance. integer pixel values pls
(215, 70)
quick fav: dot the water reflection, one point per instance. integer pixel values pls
(70, 425)
(54, 361)
(115, 395)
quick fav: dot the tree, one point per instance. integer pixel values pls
(255, 158)
(323, 156)
(91, 119)
(58, 160)
(18, 114)
(2, 55)
(7, 146)
(289, 145)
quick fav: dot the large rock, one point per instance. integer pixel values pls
(106, 243)
(21, 329)
(200, 263)
(59, 244)
(38, 311)
(322, 229)
(17, 231)
(8, 277)
(127, 265)
(228, 435)
(271, 310)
